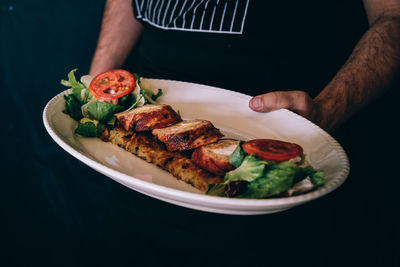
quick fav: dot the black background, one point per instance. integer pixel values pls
(55, 211)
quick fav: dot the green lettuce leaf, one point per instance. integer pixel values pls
(102, 111)
(277, 179)
(317, 178)
(250, 169)
(112, 121)
(127, 100)
(159, 93)
(280, 177)
(237, 156)
(302, 173)
(72, 107)
(89, 128)
(216, 190)
(82, 94)
(78, 89)
(72, 82)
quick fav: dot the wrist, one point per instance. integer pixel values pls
(100, 64)
(331, 112)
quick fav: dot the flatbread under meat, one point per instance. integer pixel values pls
(178, 164)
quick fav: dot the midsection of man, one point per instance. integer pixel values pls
(246, 45)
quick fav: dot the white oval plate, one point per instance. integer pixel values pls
(229, 112)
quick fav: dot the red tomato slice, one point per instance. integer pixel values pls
(112, 84)
(275, 150)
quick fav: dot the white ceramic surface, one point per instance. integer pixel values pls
(229, 112)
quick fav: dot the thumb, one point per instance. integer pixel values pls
(270, 101)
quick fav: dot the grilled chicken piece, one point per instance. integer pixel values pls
(187, 135)
(179, 165)
(148, 117)
(214, 157)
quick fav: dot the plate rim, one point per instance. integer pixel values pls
(205, 199)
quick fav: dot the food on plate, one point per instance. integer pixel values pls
(177, 163)
(215, 156)
(148, 117)
(112, 84)
(94, 114)
(188, 134)
(114, 106)
(269, 149)
(255, 177)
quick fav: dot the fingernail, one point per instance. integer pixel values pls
(256, 103)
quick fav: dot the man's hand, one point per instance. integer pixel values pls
(296, 101)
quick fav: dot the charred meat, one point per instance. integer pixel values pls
(187, 135)
(214, 157)
(148, 117)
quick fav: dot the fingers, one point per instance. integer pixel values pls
(297, 101)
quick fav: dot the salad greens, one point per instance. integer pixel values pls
(94, 115)
(263, 178)
(277, 179)
(237, 156)
(89, 128)
(102, 111)
(79, 89)
(72, 106)
(250, 169)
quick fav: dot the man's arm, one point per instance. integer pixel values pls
(119, 33)
(371, 68)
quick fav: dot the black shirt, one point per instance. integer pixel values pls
(246, 45)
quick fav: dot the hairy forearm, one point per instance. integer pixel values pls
(119, 32)
(369, 71)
